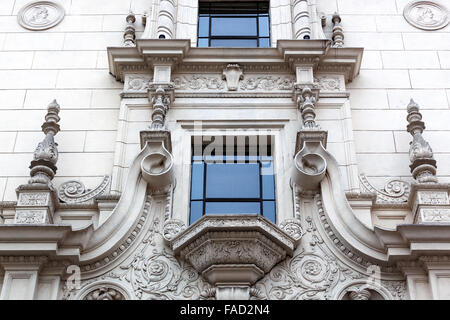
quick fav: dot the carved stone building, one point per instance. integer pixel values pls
(230, 150)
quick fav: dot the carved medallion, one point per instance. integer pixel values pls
(426, 15)
(40, 15)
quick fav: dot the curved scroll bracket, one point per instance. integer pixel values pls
(309, 163)
(157, 166)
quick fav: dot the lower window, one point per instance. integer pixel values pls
(238, 182)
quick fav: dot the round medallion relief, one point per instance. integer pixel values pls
(426, 15)
(40, 15)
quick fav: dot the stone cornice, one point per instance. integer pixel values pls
(284, 58)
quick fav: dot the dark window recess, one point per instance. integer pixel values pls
(237, 183)
(234, 24)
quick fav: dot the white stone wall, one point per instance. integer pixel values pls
(399, 62)
(69, 63)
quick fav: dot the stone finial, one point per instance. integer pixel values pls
(129, 35)
(306, 102)
(161, 101)
(43, 166)
(338, 31)
(423, 165)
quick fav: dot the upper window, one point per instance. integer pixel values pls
(238, 181)
(234, 24)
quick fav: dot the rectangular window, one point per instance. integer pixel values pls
(238, 181)
(234, 24)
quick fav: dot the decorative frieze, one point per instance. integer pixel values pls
(426, 15)
(31, 216)
(40, 15)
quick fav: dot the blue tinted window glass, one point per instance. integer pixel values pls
(203, 43)
(196, 211)
(233, 27)
(197, 181)
(232, 207)
(263, 26)
(203, 26)
(268, 186)
(239, 43)
(232, 180)
(269, 210)
(264, 43)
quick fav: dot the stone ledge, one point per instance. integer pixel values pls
(233, 250)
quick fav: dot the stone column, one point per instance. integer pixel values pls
(438, 268)
(37, 199)
(21, 277)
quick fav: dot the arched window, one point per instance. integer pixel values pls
(234, 24)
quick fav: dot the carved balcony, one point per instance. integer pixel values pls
(233, 250)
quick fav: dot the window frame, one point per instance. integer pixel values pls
(260, 200)
(257, 15)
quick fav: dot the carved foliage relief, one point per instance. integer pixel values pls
(153, 272)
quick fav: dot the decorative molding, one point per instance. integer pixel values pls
(198, 82)
(267, 83)
(435, 215)
(31, 216)
(40, 15)
(75, 192)
(127, 242)
(314, 272)
(104, 293)
(395, 190)
(329, 83)
(293, 227)
(172, 228)
(426, 15)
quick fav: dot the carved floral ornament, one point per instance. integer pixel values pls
(426, 15)
(40, 15)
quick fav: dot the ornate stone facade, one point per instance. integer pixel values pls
(332, 97)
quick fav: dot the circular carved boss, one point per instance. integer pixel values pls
(426, 15)
(40, 15)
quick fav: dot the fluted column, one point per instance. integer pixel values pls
(166, 19)
(301, 19)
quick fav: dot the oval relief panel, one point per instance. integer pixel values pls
(40, 15)
(426, 15)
